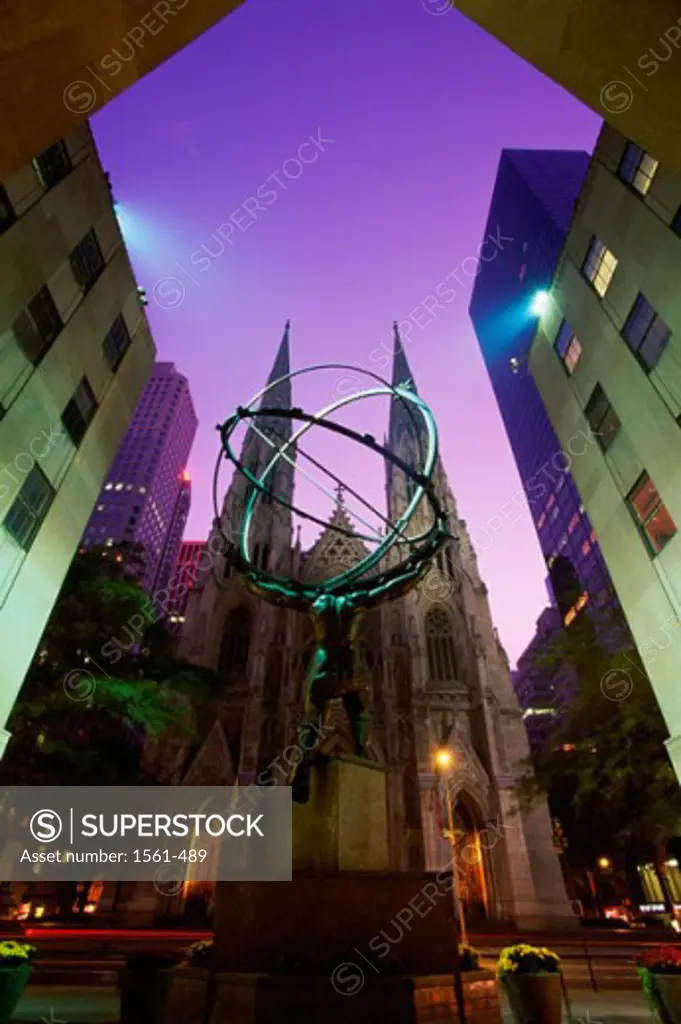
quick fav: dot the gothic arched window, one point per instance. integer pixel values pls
(236, 639)
(440, 645)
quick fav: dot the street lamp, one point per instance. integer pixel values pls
(444, 762)
(604, 862)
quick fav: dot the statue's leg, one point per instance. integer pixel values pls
(357, 710)
(309, 732)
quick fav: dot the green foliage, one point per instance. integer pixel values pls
(105, 677)
(606, 771)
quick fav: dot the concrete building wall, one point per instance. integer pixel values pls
(34, 252)
(637, 229)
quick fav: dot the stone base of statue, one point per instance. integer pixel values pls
(347, 939)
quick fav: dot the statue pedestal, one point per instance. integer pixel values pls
(344, 825)
(294, 951)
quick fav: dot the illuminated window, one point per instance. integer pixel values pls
(650, 513)
(602, 418)
(108, 487)
(118, 487)
(646, 333)
(550, 503)
(637, 168)
(574, 523)
(586, 547)
(599, 266)
(541, 520)
(568, 347)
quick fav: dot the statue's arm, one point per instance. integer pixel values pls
(398, 588)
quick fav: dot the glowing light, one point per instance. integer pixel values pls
(444, 758)
(604, 862)
(540, 303)
(184, 476)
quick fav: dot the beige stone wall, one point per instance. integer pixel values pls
(60, 62)
(637, 231)
(34, 252)
(620, 57)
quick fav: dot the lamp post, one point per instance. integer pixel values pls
(444, 761)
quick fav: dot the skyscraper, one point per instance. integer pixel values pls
(615, 306)
(533, 202)
(182, 579)
(145, 499)
(75, 352)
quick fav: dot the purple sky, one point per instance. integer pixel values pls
(418, 105)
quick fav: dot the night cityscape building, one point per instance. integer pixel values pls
(145, 499)
(438, 676)
(183, 577)
(75, 353)
(607, 358)
(543, 693)
(533, 202)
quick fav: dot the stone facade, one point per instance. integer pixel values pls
(438, 676)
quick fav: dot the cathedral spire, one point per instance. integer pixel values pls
(280, 395)
(401, 371)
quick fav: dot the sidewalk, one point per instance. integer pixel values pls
(48, 1004)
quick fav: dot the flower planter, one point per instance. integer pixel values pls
(535, 998)
(12, 983)
(144, 994)
(668, 987)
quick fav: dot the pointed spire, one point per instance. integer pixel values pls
(401, 371)
(282, 364)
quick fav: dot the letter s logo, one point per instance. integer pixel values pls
(45, 826)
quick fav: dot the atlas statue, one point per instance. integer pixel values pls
(337, 606)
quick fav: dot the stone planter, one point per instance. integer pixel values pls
(668, 987)
(191, 996)
(535, 998)
(144, 994)
(363, 999)
(12, 984)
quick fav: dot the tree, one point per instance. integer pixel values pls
(606, 771)
(103, 680)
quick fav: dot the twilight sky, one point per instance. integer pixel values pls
(415, 105)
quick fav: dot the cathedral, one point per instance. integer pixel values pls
(439, 678)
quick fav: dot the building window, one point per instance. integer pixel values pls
(602, 418)
(116, 343)
(637, 168)
(7, 214)
(676, 223)
(79, 412)
(599, 266)
(236, 641)
(650, 513)
(440, 646)
(87, 261)
(568, 347)
(646, 333)
(53, 164)
(29, 509)
(38, 326)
